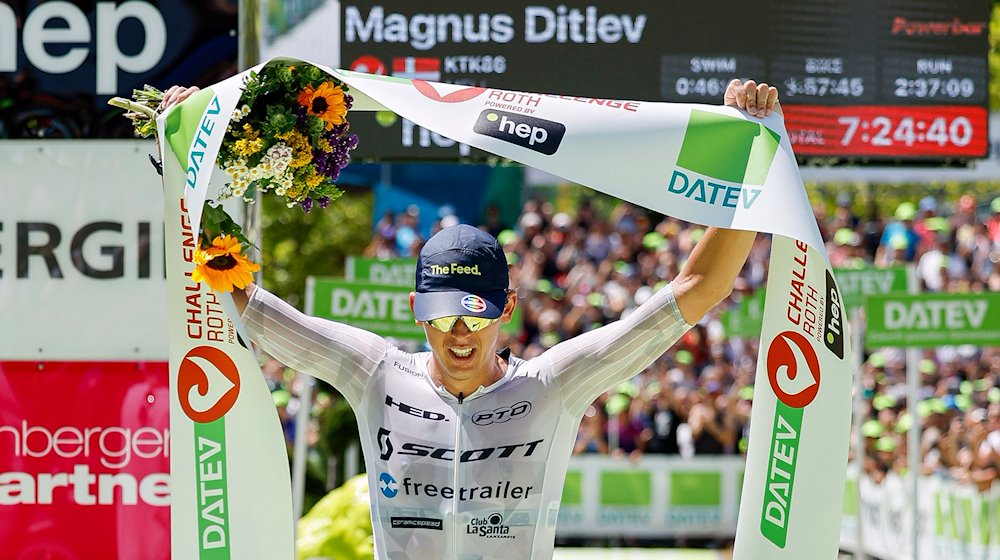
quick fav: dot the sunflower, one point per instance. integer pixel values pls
(325, 102)
(223, 266)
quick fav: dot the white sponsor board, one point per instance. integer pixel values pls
(81, 251)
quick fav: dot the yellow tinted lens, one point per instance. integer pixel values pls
(474, 324)
(477, 323)
(444, 324)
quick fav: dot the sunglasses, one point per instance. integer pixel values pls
(474, 324)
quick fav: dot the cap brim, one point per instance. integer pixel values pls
(434, 305)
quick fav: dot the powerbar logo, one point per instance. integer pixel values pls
(793, 372)
(720, 156)
(533, 133)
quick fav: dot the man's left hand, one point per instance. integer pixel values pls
(760, 100)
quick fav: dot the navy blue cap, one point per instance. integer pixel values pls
(461, 270)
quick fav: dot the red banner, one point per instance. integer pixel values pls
(84, 461)
(893, 132)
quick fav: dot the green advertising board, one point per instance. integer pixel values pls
(747, 317)
(381, 309)
(856, 283)
(396, 272)
(928, 320)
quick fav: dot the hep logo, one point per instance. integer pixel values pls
(502, 414)
(793, 369)
(533, 133)
(474, 303)
(387, 485)
(369, 64)
(455, 96)
(208, 384)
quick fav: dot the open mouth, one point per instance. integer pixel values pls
(461, 352)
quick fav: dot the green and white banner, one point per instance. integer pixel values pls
(859, 283)
(654, 497)
(929, 320)
(954, 521)
(383, 309)
(712, 165)
(399, 271)
(230, 485)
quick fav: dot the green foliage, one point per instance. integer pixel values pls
(338, 526)
(296, 245)
(215, 221)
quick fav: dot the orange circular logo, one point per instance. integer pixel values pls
(208, 384)
(793, 369)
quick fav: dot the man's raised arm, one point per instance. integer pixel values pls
(711, 270)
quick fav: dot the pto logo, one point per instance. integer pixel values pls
(533, 133)
(720, 157)
(387, 485)
(793, 369)
(457, 95)
(474, 304)
(208, 384)
(502, 414)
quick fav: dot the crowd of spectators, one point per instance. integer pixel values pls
(578, 271)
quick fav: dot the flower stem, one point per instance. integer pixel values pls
(132, 106)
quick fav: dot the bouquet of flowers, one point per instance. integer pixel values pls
(288, 136)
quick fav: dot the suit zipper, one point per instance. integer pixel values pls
(456, 481)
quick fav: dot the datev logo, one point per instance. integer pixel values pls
(532, 133)
(719, 156)
(793, 372)
(208, 384)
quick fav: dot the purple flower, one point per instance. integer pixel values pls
(323, 201)
(306, 204)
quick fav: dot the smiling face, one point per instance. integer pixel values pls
(463, 360)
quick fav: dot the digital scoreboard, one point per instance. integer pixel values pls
(861, 80)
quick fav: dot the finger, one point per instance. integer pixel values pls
(168, 96)
(187, 92)
(750, 90)
(734, 94)
(772, 99)
(763, 95)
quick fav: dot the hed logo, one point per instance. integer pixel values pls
(208, 384)
(793, 369)
(533, 133)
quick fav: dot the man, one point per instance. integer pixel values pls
(466, 446)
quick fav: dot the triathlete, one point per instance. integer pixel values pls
(466, 446)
